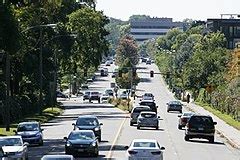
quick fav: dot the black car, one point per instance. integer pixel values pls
(89, 122)
(81, 142)
(200, 126)
(31, 132)
(149, 103)
(174, 106)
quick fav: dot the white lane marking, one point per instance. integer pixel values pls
(109, 156)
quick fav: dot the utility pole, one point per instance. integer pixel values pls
(7, 92)
(40, 74)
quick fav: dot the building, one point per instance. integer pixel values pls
(229, 27)
(144, 29)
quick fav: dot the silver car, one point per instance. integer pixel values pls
(148, 119)
(135, 113)
(57, 157)
(13, 147)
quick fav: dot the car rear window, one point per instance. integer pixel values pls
(148, 115)
(201, 120)
(144, 144)
(138, 110)
(147, 103)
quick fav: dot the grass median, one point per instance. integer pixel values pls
(122, 104)
(225, 117)
(46, 116)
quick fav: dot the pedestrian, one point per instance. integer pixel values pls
(188, 98)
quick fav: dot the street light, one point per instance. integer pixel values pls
(40, 59)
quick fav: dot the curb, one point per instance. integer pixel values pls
(229, 140)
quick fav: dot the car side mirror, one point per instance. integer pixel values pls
(101, 124)
(158, 117)
(214, 123)
(42, 130)
(156, 106)
(126, 147)
(162, 148)
(73, 124)
(179, 115)
(65, 138)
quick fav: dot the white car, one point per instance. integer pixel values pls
(57, 157)
(144, 149)
(14, 148)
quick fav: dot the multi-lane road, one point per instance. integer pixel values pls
(117, 133)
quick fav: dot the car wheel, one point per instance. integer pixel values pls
(179, 127)
(131, 123)
(211, 139)
(186, 138)
(138, 127)
(90, 100)
(98, 100)
(167, 110)
(96, 154)
(180, 111)
(100, 139)
(156, 127)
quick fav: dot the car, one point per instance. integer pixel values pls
(84, 87)
(148, 94)
(135, 113)
(147, 119)
(90, 80)
(148, 61)
(149, 103)
(30, 132)
(14, 147)
(200, 126)
(108, 63)
(124, 96)
(57, 157)
(94, 95)
(59, 94)
(146, 98)
(174, 106)
(89, 122)
(147, 149)
(183, 119)
(105, 98)
(109, 92)
(81, 142)
(104, 72)
(86, 95)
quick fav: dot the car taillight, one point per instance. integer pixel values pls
(132, 152)
(156, 152)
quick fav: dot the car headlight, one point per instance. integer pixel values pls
(96, 129)
(93, 144)
(68, 144)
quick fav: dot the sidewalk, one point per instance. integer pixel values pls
(230, 133)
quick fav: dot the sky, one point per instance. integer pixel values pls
(176, 9)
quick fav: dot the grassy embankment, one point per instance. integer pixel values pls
(47, 115)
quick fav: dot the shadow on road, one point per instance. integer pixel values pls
(206, 142)
(89, 105)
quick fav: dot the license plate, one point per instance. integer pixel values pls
(80, 150)
(200, 129)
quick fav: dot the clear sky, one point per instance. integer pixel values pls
(176, 9)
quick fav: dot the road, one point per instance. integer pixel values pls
(117, 132)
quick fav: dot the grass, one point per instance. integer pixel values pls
(121, 104)
(225, 117)
(47, 115)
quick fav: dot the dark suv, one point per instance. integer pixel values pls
(200, 126)
(94, 96)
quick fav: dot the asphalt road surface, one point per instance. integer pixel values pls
(117, 133)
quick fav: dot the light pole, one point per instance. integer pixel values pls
(40, 61)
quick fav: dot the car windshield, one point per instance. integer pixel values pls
(10, 142)
(148, 115)
(87, 122)
(144, 144)
(81, 136)
(27, 127)
(187, 114)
